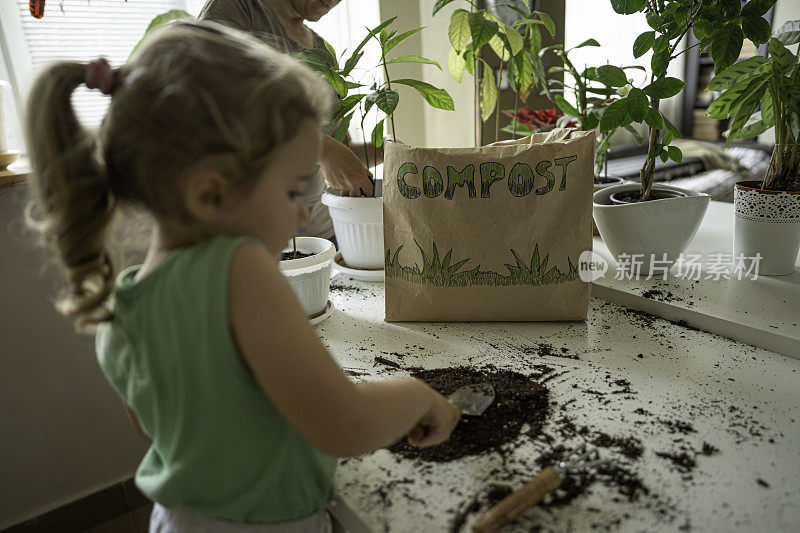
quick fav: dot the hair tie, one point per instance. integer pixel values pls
(100, 75)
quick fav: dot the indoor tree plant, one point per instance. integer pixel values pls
(358, 222)
(474, 33)
(629, 221)
(767, 211)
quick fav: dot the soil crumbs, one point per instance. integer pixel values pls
(288, 256)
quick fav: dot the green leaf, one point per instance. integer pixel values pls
(757, 8)
(659, 62)
(481, 30)
(675, 153)
(782, 58)
(681, 15)
(341, 132)
(612, 76)
(345, 106)
(673, 131)
(438, 98)
(377, 134)
(488, 94)
(614, 116)
(767, 110)
(627, 7)
(756, 29)
(459, 29)
(523, 73)
(638, 104)
(515, 40)
(439, 4)
(728, 102)
(736, 72)
(654, 119)
(158, 21)
(665, 87)
(789, 33)
(726, 46)
(394, 41)
(386, 99)
(753, 128)
(455, 64)
(332, 52)
(337, 82)
(498, 45)
(565, 106)
(548, 22)
(729, 9)
(661, 43)
(632, 130)
(587, 42)
(743, 114)
(643, 43)
(413, 59)
(703, 28)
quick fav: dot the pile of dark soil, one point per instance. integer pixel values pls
(519, 400)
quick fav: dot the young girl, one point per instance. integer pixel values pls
(214, 134)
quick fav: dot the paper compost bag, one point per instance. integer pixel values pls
(491, 233)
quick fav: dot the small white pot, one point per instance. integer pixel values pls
(651, 228)
(767, 223)
(310, 277)
(358, 223)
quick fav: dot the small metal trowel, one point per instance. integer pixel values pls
(469, 400)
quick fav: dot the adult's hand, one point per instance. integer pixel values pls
(343, 170)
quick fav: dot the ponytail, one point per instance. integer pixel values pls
(72, 205)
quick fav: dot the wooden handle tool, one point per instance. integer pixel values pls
(419, 430)
(518, 501)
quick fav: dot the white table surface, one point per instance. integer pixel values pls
(763, 312)
(741, 399)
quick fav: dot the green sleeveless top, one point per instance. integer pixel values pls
(220, 447)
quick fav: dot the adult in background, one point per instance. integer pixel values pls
(281, 24)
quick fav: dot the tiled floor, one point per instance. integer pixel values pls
(135, 521)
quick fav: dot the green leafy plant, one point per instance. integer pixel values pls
(347, 79)
(592, 96)
(474, 33)
(773, 84)
(720, 27)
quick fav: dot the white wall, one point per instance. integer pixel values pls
(63, 431)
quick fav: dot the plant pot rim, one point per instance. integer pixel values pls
(605, 193)
(755, 185)
(331, 199)
(323, 251)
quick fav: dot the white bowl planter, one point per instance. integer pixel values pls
(608, 181)
(767, 223)
(358, 223)
(310, 277)
(652, 228)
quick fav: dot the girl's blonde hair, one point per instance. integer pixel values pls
(194, 95)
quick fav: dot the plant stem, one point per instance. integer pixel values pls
(514, 120)
(497, 109)
(389, 86)
(294, 245)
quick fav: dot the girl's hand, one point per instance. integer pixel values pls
(439, 422)
(343, 170)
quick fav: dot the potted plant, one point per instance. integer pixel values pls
(658, 221)
(358, 222)
(476, 33)
(306, 264)
(767, 222)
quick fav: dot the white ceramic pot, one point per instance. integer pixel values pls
(611, 180)
(651, 228)
(767, 223)
(358, 223)
(310, 277)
